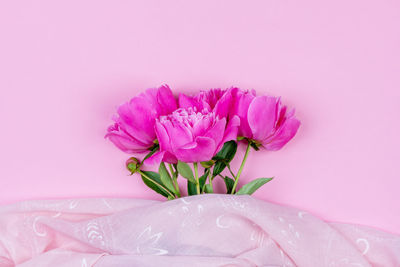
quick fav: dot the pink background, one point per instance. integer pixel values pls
(66, 65)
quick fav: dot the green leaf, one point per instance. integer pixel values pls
(208, 188)
(224, 156)
(251, 187)
(166, 177)
(229, 182)
(227, 152)
(218, 167)
(186, 171)
(153, 181)
(203, 179)
(207, 164)
(192, 190)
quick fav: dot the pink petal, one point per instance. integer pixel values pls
(262, 116)
(169, 157)
(187, 101)
(154, 159)
(125, 143)
(224, 104)
(241, 108)
(230, 131)
(166, 100)
(162, 137)
(180, 135)
(203, 149)
(216, 132)
(172, 136)
(159, 156)
(137, 117)
(283, 135)
(201, 126)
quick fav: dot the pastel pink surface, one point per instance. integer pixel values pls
(65, 67)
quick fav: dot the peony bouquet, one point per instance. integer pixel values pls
(196, 137)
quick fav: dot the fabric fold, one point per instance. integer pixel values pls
(205, 230)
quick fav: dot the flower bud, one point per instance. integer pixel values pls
(133, 165)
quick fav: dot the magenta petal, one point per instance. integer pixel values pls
(202, 150)
(170, 158)
(262, 116)
(170, 137)
(284, 134)
(154, 159)
(166, 100)
(162, 137)
(125, 143)
(224, 104)
(138, 118)
(187, 101)
(231, 131)
(241, 108)
(201, 127)
(180, 135)
(216, 132)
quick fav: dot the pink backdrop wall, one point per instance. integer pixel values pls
(66, 65)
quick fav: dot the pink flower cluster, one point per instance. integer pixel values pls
(194, 128)
(205, 128)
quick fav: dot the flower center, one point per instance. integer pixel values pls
(188, 116)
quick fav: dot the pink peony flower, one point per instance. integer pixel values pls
(203, 100)
(263, 119)
(218, 100)
(133, 130)
(193, 136)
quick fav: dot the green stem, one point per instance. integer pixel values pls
(174, 180)
(230, 170)
(196, 175)
(210, 181)
(241, 168)
(154, 182)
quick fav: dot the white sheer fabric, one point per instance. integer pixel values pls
(206, 230)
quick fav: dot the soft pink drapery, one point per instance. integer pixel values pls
(207, 230)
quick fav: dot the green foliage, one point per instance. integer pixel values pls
(229, 182)
(208, 188)
(202, 180)
(251, 187)
(165, 178)
(224, 156)
(207, 164)
(186, 172)
(152, 180)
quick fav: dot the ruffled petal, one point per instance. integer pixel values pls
(224, 105)
(241, 108)
(202, 149)
(283, 135)
(126, 143)
(217, 131)
(166, 100)
(138, 117)
(231, 131)
(162, 137)
(187, 101)
(155, 159)
(262, 116)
